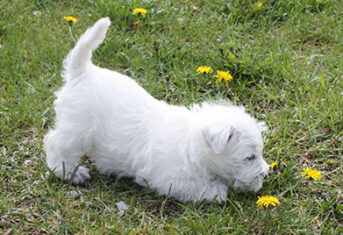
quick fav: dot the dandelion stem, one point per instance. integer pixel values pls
(264, 219)
(71, 34)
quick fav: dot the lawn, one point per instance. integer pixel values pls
(286, 61)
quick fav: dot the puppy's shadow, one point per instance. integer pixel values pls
(113, 189)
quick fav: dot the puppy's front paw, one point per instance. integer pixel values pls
(217, 191)
(81, 175)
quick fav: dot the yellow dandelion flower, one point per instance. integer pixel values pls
(258, 5)
(274, 165)
(309, 173)
(204, 69)
(139, 11)
(266, 201)
(222, 75)
(70, 19)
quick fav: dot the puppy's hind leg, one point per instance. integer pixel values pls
(63, 151)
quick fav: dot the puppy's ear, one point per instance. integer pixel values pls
(262, 126)
(217, 136)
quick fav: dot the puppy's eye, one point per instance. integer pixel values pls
(251, 157)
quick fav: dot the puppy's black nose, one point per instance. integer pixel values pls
(265, 176)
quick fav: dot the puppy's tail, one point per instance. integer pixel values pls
(78, 58)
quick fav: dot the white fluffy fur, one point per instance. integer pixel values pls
(190, 154)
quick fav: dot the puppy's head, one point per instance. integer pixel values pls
(235, 143)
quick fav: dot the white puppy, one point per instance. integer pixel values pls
(190, 154)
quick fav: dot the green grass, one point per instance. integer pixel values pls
(286, 60)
